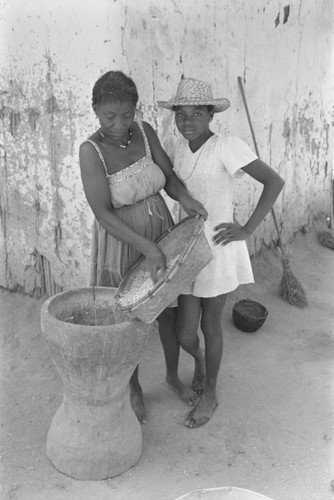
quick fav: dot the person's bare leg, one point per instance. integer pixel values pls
(137, 398)
(199, 377)
(187, 327)
(212, 309)
(171, 348)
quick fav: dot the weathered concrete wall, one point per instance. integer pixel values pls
(52, 53)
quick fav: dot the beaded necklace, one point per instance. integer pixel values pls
(123, 146)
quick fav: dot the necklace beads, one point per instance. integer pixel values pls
(123, 146)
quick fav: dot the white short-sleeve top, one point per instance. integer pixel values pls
(209, 175)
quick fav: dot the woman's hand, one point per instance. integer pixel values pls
(156, 261)
(230, 231)
(192, 207)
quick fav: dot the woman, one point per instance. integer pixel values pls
(123, 168)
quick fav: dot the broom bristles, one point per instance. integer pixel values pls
(326, 238)
(289, 288)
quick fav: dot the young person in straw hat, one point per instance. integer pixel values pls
(208, 164)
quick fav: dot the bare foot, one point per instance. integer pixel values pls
(186, 394)
(198, 381)
(137, 403)
(202, 413)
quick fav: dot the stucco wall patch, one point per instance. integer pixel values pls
(55, 52)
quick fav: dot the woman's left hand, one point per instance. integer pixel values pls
(230, 231)
(193, 207)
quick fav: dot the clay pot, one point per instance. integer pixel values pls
(94, 433)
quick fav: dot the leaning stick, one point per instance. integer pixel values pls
(290, 289)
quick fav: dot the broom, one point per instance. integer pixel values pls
(289, 288)
(326, 239)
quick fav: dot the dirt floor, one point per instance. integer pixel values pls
(272, 433)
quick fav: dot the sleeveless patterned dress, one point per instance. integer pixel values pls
(134, 194)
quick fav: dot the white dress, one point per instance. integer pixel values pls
(209, 176)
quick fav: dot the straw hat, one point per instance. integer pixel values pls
(192, 92)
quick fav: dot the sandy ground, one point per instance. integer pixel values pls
(272, 433)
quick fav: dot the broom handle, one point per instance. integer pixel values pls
(257, 152)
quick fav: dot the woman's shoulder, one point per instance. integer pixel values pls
(92, 140)
(151, 136)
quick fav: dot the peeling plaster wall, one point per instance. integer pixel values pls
(51, 55)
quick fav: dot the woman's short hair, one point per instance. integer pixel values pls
(114, 86)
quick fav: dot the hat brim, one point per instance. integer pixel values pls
(219, 105)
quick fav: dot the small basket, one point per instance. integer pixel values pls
(187, 253)
(249, 315)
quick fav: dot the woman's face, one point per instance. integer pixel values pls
(115, 118)
(192, 121)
